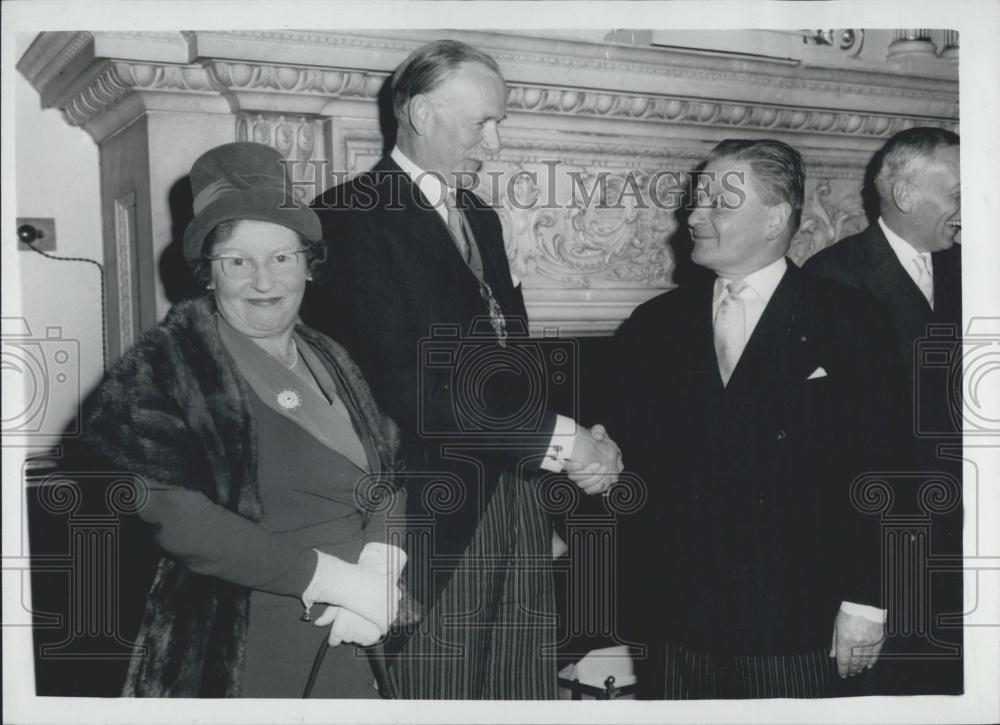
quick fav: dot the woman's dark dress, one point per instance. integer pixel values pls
(307, 492)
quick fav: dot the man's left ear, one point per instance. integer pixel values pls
(418, 111)
(777, 219)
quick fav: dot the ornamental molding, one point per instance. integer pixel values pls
(169, 37)
(591, 111)
(124, 207)
(293, 135)
(112, 81)
(44, 62)
(252, 85)
(600, 149)
(721, 76)
(694, 65)
(317, 38)
(680, 110)
(357, 144)
(103, 92)
(115, 79)
(654, 154)
(327, 82)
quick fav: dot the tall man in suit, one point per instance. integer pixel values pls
(748, 404)
(418, 288)
(908, 260)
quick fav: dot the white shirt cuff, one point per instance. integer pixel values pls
(561, 445)
(872, 614)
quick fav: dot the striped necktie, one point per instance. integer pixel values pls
(461, 234)
(456, 225)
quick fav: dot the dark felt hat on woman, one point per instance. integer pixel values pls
(243, 180)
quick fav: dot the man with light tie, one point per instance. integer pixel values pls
(749, 404)
(413, 251)
(909, 261)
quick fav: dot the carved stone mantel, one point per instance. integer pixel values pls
(578, 113)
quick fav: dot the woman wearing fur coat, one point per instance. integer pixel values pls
(265, 467)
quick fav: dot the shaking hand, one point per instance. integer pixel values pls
(596, 460)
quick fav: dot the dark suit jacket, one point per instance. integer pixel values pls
(749, 539)
(928, 341)
(393, 279)
(866, 261)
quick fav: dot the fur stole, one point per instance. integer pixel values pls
(174, 412)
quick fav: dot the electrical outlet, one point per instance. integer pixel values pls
(44, 230)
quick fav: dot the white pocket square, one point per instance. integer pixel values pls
(817, 373)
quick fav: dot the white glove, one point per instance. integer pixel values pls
(348, 627)
(362, 589)
(383, 558)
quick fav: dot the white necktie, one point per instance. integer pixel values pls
(730, 329)
(925, 278)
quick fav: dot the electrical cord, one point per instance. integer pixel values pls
(29, 236)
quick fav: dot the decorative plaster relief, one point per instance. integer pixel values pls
(114, 80)
(675, 109)
(827, 217)
(572, 217)
(117, 78)
(298, 138)
(583, 214)
(571, 57)
(124, 210)
(329, 82)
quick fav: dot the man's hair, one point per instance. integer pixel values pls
(905, 153)
(428, 67)
(777, 166)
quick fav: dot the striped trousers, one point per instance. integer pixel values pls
(691, 675)
(492, 632)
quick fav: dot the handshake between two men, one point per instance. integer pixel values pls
(595, 460)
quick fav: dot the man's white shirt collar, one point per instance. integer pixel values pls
(430, 185)
(762, 283)
(905, 252)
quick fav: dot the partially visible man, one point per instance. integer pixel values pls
(419, 290)
(749, 403)
(908, 260)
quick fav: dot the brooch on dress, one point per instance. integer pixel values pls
(289, 399)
